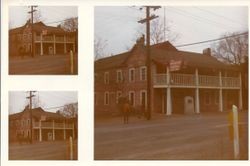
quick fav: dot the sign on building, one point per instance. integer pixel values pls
(175, 65)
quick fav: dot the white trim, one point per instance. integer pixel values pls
(106, 100)
(119, 72)
(106, 77)
(118, 95)
(129, 75)
(146, 101)
(129, 97)
(141, 69)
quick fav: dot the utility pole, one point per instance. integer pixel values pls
(32, 31)
(30, 108)
(147, 20)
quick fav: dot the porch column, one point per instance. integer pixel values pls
(197, 94)
(64, 131)
(40, 131)
(220, 94)
(54, 44)
(169, 102)
(53, 130)
(65, 49)
(240, 92)
(41, 44)
(73, 131)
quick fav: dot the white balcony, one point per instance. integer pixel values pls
(189, 80)
(49, 125)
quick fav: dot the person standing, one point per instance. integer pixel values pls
(126, 109)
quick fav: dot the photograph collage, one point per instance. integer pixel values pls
(124, 82)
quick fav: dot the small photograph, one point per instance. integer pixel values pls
(43, 125)
(171, 83)
(43, 40)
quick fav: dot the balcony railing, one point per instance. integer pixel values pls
(189, 80)
(51, 39)
(56, 125)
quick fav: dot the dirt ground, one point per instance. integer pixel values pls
(47, 150)
(177, 137)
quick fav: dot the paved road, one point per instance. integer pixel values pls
(57, 150)
(47, 64)
(203, 136)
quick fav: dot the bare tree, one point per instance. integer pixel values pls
(233, 49)
(69, 110)
(70, 24)
(160, 32)
(99, 46)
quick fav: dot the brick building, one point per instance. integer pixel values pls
(182, 81)
(48, 40)
(46, 126)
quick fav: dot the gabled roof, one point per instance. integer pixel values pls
(163, 53)
(37, 113)
(39, 27)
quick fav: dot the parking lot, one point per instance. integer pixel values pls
(177, 137)
(47, 150)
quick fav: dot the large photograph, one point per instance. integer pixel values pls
(171, 83)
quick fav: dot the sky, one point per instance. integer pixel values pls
(18, 15)
(45, 99)
(118, 26)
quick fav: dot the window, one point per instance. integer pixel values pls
(118, 95)
(106, 98)
(119, 76)
(106, 78)
(131, 75)
(207, 98)
(143, 73)
(132, 98)
(28, 122)
(143, 98)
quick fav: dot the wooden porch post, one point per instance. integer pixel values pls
(64, 131)
(41, 44)
(240, 93)
(169, 104)
(54, 44)
(40, 131)
(53, 130)
(220, 94)
(65, 49)
(73, 131)
(197, 95)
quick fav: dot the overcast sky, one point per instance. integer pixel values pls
(45, 99)
(118, 25)
(18, 15)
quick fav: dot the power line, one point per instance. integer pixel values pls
(198, 18)
(212, 40)
(215, 14)
(53, 22)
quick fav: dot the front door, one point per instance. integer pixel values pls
(50, 136)
(50, 50)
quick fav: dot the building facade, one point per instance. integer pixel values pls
(48, 40)
(43, 126)
(182, 82)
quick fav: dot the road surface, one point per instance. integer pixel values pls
(177, 137)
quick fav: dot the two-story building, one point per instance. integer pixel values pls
(48, 40)
(182, 82)
(43, 126)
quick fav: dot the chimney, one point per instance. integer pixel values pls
(207, 51)
(140, 41)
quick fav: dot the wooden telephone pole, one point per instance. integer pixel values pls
(30, 109)
(147, 20)
(32, 10)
